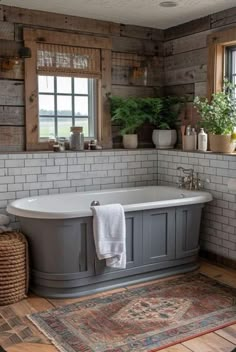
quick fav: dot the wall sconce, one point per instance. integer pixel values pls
(8, 63)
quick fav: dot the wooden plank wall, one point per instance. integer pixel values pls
(175, 61)
(133, 47)
(185, 58)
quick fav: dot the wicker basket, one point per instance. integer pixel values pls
(14, 267)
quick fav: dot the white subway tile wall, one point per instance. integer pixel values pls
(218, 232)
(32, 174)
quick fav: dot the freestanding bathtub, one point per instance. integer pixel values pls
(162, 225)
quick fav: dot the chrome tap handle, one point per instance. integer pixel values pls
(197, 182)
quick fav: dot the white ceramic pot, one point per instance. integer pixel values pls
(130, 141)
(164, 139)
(221, 143)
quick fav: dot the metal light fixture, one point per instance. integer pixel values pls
(8, 63)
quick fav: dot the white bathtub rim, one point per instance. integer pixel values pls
(196, 197)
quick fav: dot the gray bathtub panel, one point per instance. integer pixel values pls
(64, 263)
(158, 235)
(61, 246)
(99, 286)
(187, 230)
(108, 279)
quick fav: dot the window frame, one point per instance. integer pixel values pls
(217, 44)
(92, 103)
(34, 36)
(228, 69)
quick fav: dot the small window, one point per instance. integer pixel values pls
(67, 79)
(66, 102)
(231, 64)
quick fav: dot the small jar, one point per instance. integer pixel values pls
(51, 141)
(56, 148)
(93, 144)
(67, 144)
(76, 138)
(61, 143)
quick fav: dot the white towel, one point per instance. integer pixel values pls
(110, 234)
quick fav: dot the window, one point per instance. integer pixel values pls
(67, 80)
(231, 64)
(221, 59)
(66, 102)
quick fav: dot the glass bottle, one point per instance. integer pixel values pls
(76, 138)
(202, 141)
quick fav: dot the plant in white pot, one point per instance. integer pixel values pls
(129, 115)
(163, 113)
(218, 117)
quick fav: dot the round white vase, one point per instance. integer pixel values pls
(164, 139)
(130, 141)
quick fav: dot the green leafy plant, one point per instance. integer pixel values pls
(152, 108)
(128, 113)
(164, 112)
(219, 115)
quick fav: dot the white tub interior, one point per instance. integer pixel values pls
(72, 205)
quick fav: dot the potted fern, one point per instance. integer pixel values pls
(218, 117)
(163, 114)
(129, 114)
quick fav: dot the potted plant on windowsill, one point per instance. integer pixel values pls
(218, 117)
(129, 114)
(163, 113)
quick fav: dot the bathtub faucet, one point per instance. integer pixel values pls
(190, 180)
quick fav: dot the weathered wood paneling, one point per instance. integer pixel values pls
(61, 38)
(181, 90)
(9, 48)
(195, 26)
(17, 72)
(191, 42)
(12, 138)
(58, 21)
(12, 115)
(1, 13)
(186, 43)
(223, 18)
(200, 89)
(190, 58)
(126, 76)
(186, 75)
(186, 55)
(128, 41)
(137, 46)
(11, 93)
(133, 91)
(6, 30)
(140, 32)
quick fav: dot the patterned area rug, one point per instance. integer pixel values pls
(146, 318)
